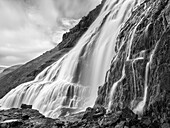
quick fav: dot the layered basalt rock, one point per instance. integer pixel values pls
(143, 52)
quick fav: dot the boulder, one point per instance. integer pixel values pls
(24, 106)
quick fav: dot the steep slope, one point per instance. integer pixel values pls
(30, 70)
(2, 68)
(8, 70)
(139, 76)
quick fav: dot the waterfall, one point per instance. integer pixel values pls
(71, 83)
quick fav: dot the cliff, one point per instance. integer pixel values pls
(140, 72)
(8, 70)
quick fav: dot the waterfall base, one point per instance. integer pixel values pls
(92, 117)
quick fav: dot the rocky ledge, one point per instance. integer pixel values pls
(92, 118)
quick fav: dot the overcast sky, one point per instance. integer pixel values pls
(30, 27)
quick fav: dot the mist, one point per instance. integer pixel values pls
(28, 27)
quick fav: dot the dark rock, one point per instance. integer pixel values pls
(128, 114)
(11, 124)
(94, 113)
(88, 114)
(146, 121)
(59, 124)
(3, 125)
(24, 106)
(155, 124)
(165, 125)
(151, 42)
(99, 111)
(120, 125)
(25, 117)
(111, 119)
(15, 124)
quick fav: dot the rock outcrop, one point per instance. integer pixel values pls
(92, 118)
(8, 70)
(141, 70)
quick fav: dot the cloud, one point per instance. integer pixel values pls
(30, 27)
(75, 8)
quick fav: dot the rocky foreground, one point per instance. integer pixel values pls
(92, 118)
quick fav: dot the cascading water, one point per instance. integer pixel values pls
(71, 83)
(139, 99)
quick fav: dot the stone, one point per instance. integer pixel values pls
(3, 125)
(11, 124)
(128, 114)
(99, 111)
(120, 125)
(88, 114)
(24, 106)
(25, 117)
(110, 120)
(59, 124)
(155, 124)
(165, 125)
(146, 121)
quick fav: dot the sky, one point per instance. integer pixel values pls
(28, 28)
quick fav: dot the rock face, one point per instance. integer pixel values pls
(139, 76)
(8, 70)
(30, 70)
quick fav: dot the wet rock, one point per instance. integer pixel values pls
(88, 114)
(128, 114)
(165, 125)
(120, 125)
(99, 111)
(24, 106)
(111, 119)
(25, 117)
(11, 124)
(94, 113)
(155, 124)
(59, 124)
(146, 121)
(150, 42)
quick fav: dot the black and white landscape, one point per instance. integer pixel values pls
(111, 70)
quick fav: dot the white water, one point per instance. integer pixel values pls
(116, 84)
(140, 107)
(71, 83)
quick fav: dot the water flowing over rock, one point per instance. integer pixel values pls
(138, 77)
(71, 83)
(126, 50)
(31, 69)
